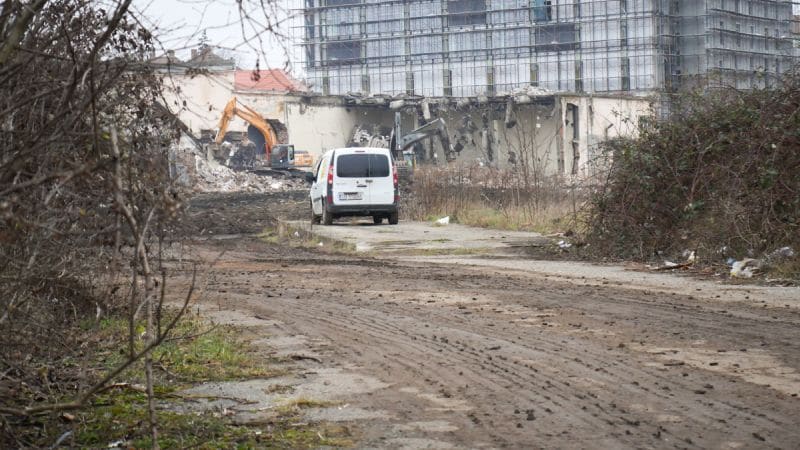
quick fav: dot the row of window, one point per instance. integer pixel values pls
(613, 75)
(555, 37)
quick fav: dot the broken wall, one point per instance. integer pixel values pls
(200, 99)
(319, 126)
(598, 119)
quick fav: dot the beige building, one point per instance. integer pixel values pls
(550, 133)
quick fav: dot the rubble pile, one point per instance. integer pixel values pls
(193, 168)
(214, 177)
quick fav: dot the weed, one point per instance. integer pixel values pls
(199, 352)
(491, 198)
(297, 237)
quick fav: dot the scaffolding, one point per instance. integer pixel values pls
(465, 48)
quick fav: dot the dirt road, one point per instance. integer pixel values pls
(426, 354)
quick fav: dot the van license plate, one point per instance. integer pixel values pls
(350, 196)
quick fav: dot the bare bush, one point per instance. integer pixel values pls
(720, 176)
(85, 195)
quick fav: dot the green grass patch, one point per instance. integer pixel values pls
(123, 417)
(195, 352)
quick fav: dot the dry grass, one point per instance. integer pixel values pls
(492, 198)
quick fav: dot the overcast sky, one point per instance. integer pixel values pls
(181, 23)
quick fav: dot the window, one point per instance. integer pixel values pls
(466, 12)
(362, 166)
(623, 33)
(448, 82)
(365, 84)
(341, 2)
(738, 35)
(542, 10)
(341, 53)
(578, 76)
(626, 74)
(556, 37)
(310, 60)
(534, 74)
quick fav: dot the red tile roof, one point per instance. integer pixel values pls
(266, 80)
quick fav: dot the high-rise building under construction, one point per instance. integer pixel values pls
(462, 48)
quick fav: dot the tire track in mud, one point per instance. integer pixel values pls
(507, 372)
(600, 395)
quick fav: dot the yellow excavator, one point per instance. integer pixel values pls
(268, 135)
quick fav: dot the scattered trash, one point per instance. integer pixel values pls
(320, 244)
(690, 256)
(781, 254)
(745, 268)
(443, 221)
(563, 245)
(117, 444)
(296, 234)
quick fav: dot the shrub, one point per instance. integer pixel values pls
(722, 174)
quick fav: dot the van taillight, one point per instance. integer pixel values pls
(330, 184)
(396, 187)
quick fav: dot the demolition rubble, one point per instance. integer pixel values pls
(194, 169)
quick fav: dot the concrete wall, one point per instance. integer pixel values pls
(543, 137)
(599, 119)
(200, 99)
(317, 128)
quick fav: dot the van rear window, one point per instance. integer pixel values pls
(362, 166)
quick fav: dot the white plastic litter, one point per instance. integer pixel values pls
(744, 268)
(443, 221)
(564, 245)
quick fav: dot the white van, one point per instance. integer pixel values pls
(359, 181)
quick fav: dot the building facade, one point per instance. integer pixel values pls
(463, 48)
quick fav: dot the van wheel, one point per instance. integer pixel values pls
(327, 217)
(393, 218)
(377, 220)
(315, 219)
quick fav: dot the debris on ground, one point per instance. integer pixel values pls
(745, 268)
(197, 171)
(443, 221)
(214, 177)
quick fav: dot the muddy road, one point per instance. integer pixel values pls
(485, 356)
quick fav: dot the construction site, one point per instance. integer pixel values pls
(448, 224)
(466, 48)
(535, 81)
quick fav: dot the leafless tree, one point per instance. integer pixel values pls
(84, 191)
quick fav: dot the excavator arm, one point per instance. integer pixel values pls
(250, 116)
(431, 129)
